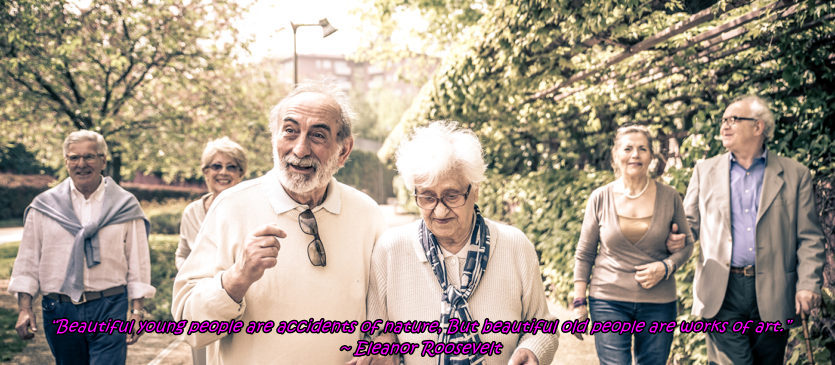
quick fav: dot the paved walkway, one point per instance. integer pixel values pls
(156, 349)
(10, 234)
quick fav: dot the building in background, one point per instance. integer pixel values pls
(360, 77)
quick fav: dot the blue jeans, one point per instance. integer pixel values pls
(650, 348)
(75, 348)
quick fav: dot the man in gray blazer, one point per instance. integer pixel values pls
(761, 244)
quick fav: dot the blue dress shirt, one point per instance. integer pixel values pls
(746, 186)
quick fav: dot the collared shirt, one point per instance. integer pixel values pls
(746, 186)
(43, 256)
(454, 263)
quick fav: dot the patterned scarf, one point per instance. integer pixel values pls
(454, 300)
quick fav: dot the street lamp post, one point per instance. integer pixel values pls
(327, 29)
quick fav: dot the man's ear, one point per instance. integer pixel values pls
(760, 127)
(346, 148)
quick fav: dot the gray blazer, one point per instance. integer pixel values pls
(789, 240)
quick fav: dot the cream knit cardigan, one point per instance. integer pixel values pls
(403, 288)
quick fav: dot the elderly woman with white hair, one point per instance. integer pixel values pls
(454, 266)
(224, 165)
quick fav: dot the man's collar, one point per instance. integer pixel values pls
(97, 195)
(282, 202)
(763, 157)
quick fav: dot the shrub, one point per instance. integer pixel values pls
(17, 191)
(161, 193)
(366, 173)
(165, 216)
(163, 272)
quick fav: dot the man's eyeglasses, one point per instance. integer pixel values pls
(733, 120)
(315, 249)
(451, 199)
(216, 167)
(87, 158)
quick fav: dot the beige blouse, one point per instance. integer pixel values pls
(634, 228)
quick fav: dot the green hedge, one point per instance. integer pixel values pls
(162, 193)
(13, 200)
(165, 216)
(163, 272)
(366, 173)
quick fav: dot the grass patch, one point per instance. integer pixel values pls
(8, 252)
(10, 344)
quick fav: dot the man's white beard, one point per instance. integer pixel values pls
(300, 183)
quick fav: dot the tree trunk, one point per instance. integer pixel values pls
(115, 168)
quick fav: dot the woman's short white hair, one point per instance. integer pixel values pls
(438, 150)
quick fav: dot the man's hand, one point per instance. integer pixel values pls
(649, 274)
(579, 313)
(523, 357)
(805, 300)
(26, 324)
(260, 253)
(134, 336)
(137, 314)
(675, 241)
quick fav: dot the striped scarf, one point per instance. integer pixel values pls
(454, 300)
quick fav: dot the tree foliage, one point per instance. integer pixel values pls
(144, 74)
(545, 84)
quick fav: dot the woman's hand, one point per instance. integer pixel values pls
(523, 357)
(648, 275)
(580, 313)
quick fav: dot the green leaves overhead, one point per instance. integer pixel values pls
(546, 84)
(143, 74)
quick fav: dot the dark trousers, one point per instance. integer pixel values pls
(650, 348)
(740, 305)
(75, 348)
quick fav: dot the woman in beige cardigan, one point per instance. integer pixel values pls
(623, 249)
(454, 266)
(224, 165)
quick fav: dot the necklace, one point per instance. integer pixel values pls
(636, 196)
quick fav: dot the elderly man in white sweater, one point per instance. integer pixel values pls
(292, 245)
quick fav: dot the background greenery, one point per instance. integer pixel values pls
(546, 84)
